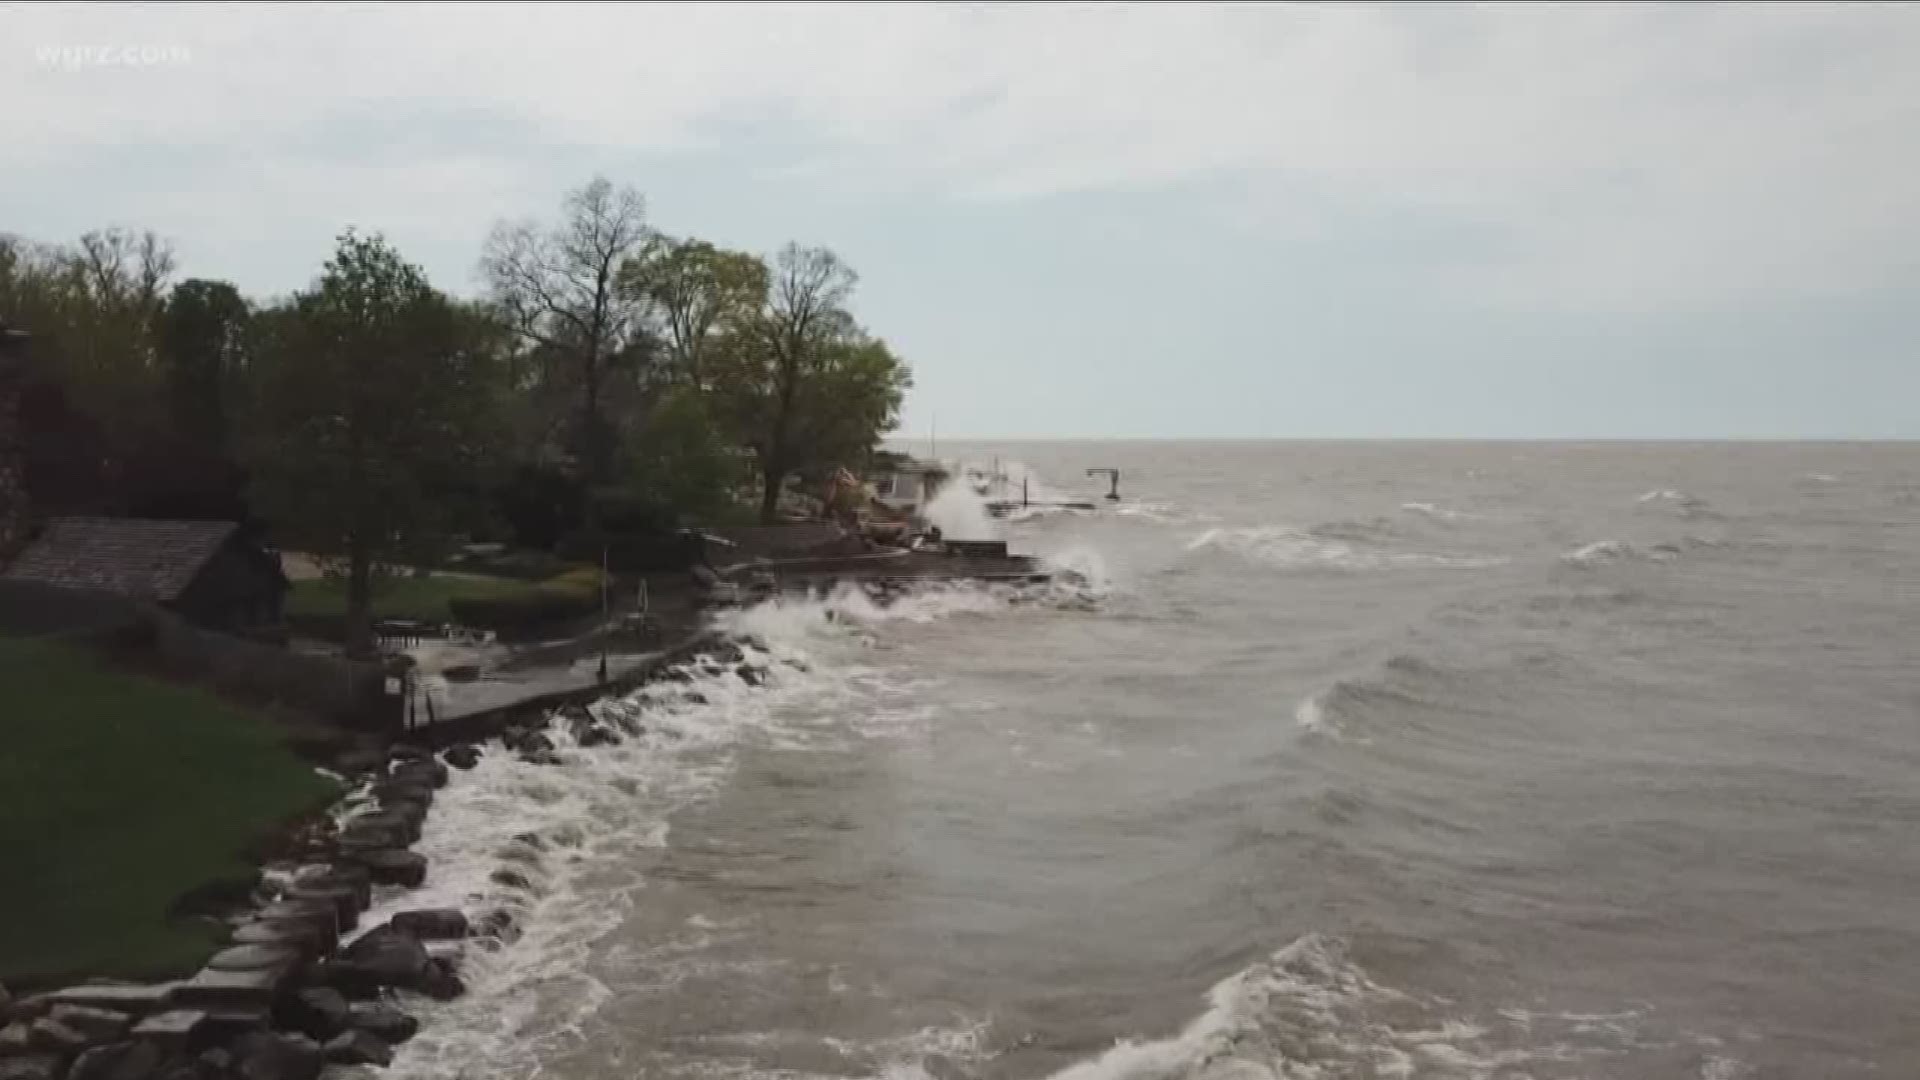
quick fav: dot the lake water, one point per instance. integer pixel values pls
(1356, 761)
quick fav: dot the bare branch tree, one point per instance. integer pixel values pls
(559, 288)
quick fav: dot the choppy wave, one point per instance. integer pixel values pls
(1287, 548)
(1604, 552)
(1308, 1011)
(1401, 681)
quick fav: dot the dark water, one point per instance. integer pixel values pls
(1365, 761)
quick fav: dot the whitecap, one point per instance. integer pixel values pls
(1600, 552)
(1672, 497)
(1287, 548)
(1438, 513)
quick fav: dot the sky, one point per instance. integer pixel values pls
(1093, 220)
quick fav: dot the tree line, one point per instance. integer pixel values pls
(611, 377)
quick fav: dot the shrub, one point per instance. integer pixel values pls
(569, 596)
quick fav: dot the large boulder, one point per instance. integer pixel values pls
(497, 924)
(379, 830)
(320, 919)
(344, 898)
(428, 773)
(320, 1012)
(16, 1039)
(384, 1022)
(357, 1048)
(511, 879)
(463, 756)
(382, 957)
(542, 757)
(173, 1029)
(54, 1037)
(305, 938)
(249, 958)
(526, 742)
(409, 752)
(393, 789)
(117, 1061)
(98, 1025)
(270, 1055)
(431, 924)
(598, 735)
(440, 981)
(341, 876)
(394, 867)
(30, 1067)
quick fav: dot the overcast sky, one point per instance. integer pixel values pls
(1179, 220)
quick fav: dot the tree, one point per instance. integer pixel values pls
(377, 397)
(91, 308)
(802, 384)
(701, 294)
(559, 287)
(682, 463)
(202, 347)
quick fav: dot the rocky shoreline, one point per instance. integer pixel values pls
(302, 985)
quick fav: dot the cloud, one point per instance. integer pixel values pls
(1634, 156)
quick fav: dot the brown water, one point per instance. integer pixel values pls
(1363, 760)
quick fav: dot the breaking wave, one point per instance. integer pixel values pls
(1308, 1011)
(1287, 548)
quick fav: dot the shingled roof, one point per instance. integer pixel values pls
(148, 558)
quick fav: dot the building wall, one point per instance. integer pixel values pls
(236, 590)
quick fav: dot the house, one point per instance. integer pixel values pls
(906, 485)
(210, 573)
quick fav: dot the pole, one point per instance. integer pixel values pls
(603, 612)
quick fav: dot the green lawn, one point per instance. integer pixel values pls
(424, 599)
(119, 795)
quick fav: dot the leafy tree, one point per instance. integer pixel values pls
(802, 385)
(700, 294)
(202, 346)
(559, 288)
(91, 308)
(377, 400)
(683, 462)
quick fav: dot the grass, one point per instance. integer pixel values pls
(118, 796)
(423, 599)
